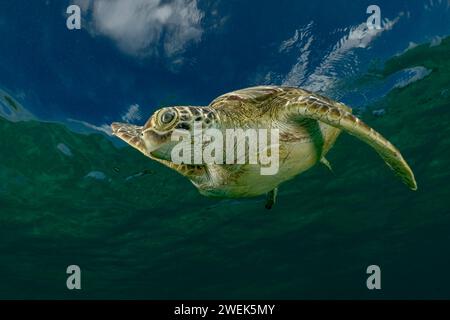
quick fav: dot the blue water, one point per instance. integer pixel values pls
(86, 75)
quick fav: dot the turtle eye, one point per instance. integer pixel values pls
(167, 117)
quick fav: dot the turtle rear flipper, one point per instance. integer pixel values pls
(336, 115)
(271, 198)
(326, 163)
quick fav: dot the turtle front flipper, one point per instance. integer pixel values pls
(271, 198)
(335, 114)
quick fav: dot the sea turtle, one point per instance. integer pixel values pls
(308, 125)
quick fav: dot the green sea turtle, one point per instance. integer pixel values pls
(308, 125)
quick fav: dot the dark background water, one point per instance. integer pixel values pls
(70, 198)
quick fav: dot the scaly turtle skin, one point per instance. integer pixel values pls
(308, 125)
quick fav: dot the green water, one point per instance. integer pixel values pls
(154, 236)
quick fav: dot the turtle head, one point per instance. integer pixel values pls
(154, 139)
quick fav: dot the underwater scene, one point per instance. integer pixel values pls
(73, 193)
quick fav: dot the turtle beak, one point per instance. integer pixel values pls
(129, 133)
